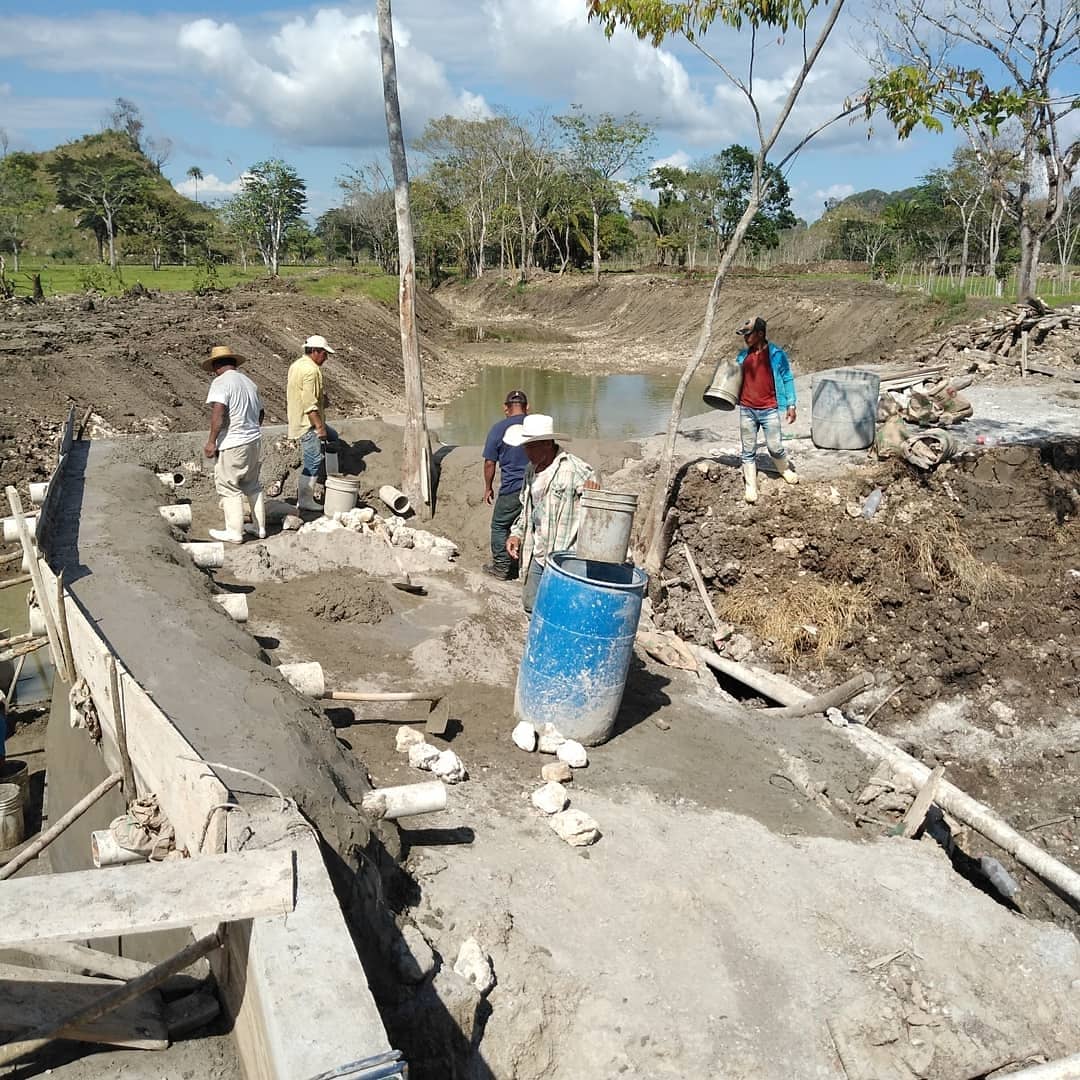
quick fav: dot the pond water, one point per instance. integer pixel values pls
(622, 406)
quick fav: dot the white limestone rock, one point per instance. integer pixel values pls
(423, 755)
(573, 753)
(474, 966)
(524, 736)
(551, 798)
(558, 771)
(549, 739)
(407, 737)
(575, 827)
(449, 768)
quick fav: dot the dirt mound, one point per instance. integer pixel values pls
(352, 598)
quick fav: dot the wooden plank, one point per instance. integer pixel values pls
(34, 999)
(771, 686)
(1054, 372)
(142, 897)
(916, 813)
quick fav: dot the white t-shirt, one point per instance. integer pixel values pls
(240, 396)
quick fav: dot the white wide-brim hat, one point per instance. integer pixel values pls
(536, 427)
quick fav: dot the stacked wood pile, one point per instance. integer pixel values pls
(1024, 337)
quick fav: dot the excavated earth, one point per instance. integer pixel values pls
(743, 914)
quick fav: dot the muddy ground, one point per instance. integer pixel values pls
(725, 924)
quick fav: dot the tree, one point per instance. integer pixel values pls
(962, 186)
(598, 149)
(195, 174)
(101, 186)
(21, 196)
(273, 196)
(126, 118)
(369, 206)
(1031, 46)
(733, 169)
(158, 149)
(658, 20)
(416, 459)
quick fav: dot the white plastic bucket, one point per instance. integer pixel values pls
(844, 405)
(607, 520)
(340, 494)
(12, 826)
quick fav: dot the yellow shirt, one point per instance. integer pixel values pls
(304, 393)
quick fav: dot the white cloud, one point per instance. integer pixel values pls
(318, 81)
(210, 186)
(21, 114)
(680, 160)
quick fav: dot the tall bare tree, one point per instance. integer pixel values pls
(416, 463)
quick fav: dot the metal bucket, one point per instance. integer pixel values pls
(606, 522)
(581, 639)
(12, 828)
(723, 392)
(341, 493)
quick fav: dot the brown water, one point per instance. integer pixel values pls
(620, 406)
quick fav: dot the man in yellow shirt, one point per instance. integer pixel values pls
(307, 424)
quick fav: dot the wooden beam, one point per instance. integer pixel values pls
(36, 999)
(916, 814)
(1055, 372)
(142, 897)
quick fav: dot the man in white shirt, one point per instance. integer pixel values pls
(235, 443)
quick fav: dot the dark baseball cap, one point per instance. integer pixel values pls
(516, 397)
(757, 323)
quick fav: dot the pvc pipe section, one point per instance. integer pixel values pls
(209, 556)
(179, 515)
(405, 801)
(37, 621)
(1062, 1069)
(306, 678)
(11, 532)
(38, 492)
(105, 851)
(172, 479)
(235, 605)
(398, 501)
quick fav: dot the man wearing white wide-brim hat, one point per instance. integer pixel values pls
(306, 403)
(235, 443)
(550, 498)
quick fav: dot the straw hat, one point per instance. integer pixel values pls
(221, 352)
(536, 427)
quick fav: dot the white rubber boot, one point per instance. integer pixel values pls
(749, 473)
(233, 533)
(258, 517)
(305, 489)
(783, 467)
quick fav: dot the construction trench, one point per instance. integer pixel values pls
(750, 907)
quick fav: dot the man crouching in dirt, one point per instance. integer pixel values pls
(550, 498)
(306, 401)
(235, 444)
(767, 388)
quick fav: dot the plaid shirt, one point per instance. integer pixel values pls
(559, 512)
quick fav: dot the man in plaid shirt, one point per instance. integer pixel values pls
(550, 498)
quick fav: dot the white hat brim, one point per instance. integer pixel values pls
(514, 436)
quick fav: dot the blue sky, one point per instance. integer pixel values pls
(237, 82)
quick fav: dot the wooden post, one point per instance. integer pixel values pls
(68, 673)
(1023, 354)
(130, 794)
(416, 462)
(21, 579)
(35, 575)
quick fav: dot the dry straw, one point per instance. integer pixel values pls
(942, 555)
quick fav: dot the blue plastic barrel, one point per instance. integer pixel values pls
(581, 639)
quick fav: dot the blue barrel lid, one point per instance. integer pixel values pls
(601, 574)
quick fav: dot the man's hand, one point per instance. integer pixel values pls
(210, 449)
(513, 547)
(791, 414)
(489, 496)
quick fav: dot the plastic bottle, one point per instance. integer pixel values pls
(871, 503)
(998, 876)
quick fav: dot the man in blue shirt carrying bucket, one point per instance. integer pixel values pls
(512, 463)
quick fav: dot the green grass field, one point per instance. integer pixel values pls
(67, 278)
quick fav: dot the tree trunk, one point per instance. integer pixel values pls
(112, 242)
(652, 543)
(15, 253)
(416, 462)
(1027, 273)
(596, 246)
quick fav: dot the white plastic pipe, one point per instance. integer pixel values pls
(105, 851)
(1062, 1069)
(398, 501)
(37, 621)
(306, 678)
(405, 801)
(179, 515)
(209, 556)
(172, 479)
(11, 533)
(235, 605)
(38, 493)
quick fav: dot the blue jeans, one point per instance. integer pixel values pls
(532, 584)
(313, 460)
(753, 420)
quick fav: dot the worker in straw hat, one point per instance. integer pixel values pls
(550, 498)
(306, 399)
(235, 443)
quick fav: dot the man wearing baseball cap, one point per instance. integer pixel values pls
(512, 463)
(307, 423)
